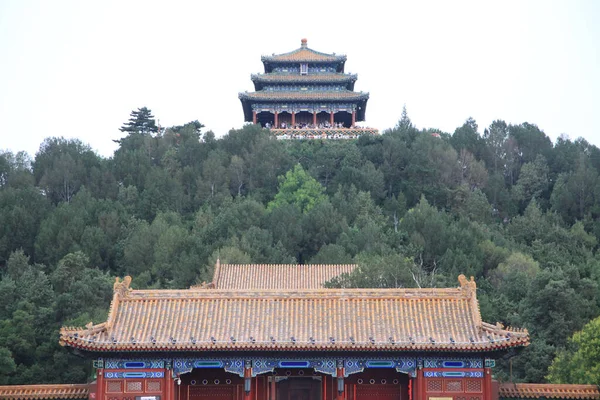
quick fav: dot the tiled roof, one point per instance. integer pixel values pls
(270, 276)
(304, 95)
(304, 54)
(299, 320)
(548, 391)
(287, 78)
(42, 392)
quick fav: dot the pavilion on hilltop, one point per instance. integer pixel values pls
(306, 93)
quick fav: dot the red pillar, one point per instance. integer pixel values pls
(100, 384)
(276, 120)
(487, 384)
(169, 386)
(353, 118)
(340, 375)
(248, 375)
(315, 119)
(254, 117)
(274, 389)
(419, 385)
(331, 118)
(293, 118)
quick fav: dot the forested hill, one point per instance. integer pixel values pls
(411, 207)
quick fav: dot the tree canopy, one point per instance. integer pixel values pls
(413, 208)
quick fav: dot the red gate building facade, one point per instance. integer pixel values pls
(273, 333)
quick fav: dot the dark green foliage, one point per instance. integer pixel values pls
(413, 208)
(142, 122)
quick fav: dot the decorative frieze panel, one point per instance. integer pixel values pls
(452, 363)
(185, 365)
(133, 375)
(453, 374)
(264, 365)
(116, 363)
(405, 365)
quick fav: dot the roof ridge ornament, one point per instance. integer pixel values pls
(303, 43)
(468, 286)
(122, 287)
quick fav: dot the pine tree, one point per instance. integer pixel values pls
(140, 121)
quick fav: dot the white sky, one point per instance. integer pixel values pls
(78, 68)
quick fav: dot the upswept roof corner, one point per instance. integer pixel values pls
(302, 319)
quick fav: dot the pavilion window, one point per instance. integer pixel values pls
(303, 69)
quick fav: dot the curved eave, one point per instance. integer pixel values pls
(320, 58)
(304, 96)
(247, 107)
(260, 80)
(497, 345)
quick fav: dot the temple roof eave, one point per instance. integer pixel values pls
(260, 80)
(304, 96)
(320, 78)
(451, 321)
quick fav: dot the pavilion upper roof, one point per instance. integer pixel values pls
(548, 391)
(304, 54)
(205, 319)
(44, 392)
(276, 276)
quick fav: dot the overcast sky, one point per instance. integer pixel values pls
(77, 68)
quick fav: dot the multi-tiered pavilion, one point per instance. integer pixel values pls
(306, 93)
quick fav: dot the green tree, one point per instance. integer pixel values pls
(62, 167)
(141, 121)
(579, 363)
(298, 188)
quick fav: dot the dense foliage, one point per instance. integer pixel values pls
(414, 208)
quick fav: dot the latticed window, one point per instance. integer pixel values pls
(475, 398)
(474, 386)
(134, 386)
(153, 386)
(114, 387)
(303, 69)
(454, 386)
(434, 385)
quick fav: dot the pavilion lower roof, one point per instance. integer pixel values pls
(300, 320)
(44, 392)
(548, 391)
(305, 95)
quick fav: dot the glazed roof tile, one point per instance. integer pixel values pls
(548, 391)
(44, 392)
(292, 78)
(276, 276)
(304, 95)
(304, 54)
(310, 319)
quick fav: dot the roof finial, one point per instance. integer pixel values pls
(303, 43)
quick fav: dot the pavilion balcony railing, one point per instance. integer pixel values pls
(323, 133)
